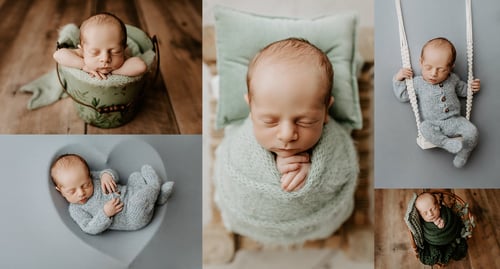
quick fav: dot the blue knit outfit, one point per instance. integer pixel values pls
(440, 111)
(139, 196)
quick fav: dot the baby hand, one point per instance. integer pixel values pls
(439, 223)
(94, 73)
(292, 163)
(108, 185)
(475, 85)
(294, 180)
(403, 74)
(113, 207)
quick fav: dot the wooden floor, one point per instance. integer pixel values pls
(392, 241)
(28, 34)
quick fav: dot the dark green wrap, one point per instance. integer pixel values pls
(442, 244)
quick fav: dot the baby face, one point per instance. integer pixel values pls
(74, 183)
(287, 107)
(428, 208)
(435, 64)
(102, 48)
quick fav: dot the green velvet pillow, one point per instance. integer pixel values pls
(240, 35)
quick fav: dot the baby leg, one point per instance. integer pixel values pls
(135, 180)
(140, 206)
(150, 176)
(468, 132)
(166, 190)
(433, 132)
(154, 181)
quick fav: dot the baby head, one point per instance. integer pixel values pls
(71, 175)
(428, 207)
(289, 92)
(437, 59)
(103, 39)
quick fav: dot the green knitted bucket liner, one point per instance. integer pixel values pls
(114, 101)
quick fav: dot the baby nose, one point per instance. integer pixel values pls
(105, 58)
(80, 192)
(287, 132)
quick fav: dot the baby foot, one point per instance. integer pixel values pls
(452, 145)
(165, 192)
(150, 175)
(460, 159)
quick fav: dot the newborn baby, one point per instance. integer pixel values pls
(97, 203)
(102, 50)
(437, 90)
(442, 232)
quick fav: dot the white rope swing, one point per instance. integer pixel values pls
(405, 57)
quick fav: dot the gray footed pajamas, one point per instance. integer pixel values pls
(440, 111)
(139, 196)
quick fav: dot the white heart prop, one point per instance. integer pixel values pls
(125, 157)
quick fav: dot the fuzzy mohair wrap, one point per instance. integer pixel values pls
(252, 202)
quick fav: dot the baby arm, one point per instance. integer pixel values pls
(294, 170)
(108, 180)
(403, 74)
(91, 224)
(399, 86)
(73, 58)
(69, 57)
(133, 66)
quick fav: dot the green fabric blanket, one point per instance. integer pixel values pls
(252, 203)
(442, 244)
(46, 89)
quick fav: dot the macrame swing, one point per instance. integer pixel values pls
(405, 56)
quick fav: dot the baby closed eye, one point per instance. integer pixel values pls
(307, 123)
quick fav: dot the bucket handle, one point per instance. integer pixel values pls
(111, 108)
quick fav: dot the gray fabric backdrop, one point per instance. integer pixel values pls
(399, 162)
(35, 233)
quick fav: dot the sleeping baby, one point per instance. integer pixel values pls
(98, 203)
(441, 230)
(102, 50)
(288, 172)
(437, 90)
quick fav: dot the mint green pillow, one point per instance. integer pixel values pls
(240, 35)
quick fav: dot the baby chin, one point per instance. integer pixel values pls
(285, 152)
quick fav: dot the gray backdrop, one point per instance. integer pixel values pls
(35, 227)
(399, 162)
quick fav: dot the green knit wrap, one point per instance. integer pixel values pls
(252, 202)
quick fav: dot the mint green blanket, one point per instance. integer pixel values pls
(252, 203)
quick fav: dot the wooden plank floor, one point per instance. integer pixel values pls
(392, 240)
(28, 34)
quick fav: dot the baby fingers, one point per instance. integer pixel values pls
(288, 168)
(286, 179)
(297, 181)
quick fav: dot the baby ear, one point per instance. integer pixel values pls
(246, 99)
(57, 188)
(330, 103)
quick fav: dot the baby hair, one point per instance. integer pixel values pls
(294, 50)
(105, 18)
(67, 160)
(441, 42)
